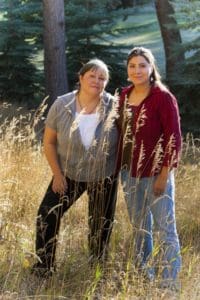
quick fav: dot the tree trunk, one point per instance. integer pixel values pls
(54, 49)
(171, 38)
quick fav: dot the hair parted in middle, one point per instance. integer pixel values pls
(149, 57)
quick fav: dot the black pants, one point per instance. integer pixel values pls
(102, 202)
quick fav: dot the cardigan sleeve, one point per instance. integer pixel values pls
(170, 120)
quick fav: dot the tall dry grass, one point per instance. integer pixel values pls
(24, 176)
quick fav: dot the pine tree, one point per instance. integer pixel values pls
(171, 38)
(20, 29)
(188, 84)
(89, 28)
(188, 15)
(55, 67)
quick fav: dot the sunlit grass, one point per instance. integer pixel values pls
(24, 177)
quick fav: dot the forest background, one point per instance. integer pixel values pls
(31, 69)
(79, 30)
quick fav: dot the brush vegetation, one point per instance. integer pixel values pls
(24, 176)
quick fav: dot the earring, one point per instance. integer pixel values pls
(151, 79)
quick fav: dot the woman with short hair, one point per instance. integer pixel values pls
(80, 144)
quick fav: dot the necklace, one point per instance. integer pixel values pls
(85, 109)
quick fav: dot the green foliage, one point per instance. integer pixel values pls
(188, 12)
(90, 27)
(20, 31)
(100, 29)
(188, 86)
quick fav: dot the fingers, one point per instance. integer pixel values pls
(158, 189)
(59, 189)
(158, 192)
(159, 185)
(59, 185)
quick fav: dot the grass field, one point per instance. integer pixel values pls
(24, 177)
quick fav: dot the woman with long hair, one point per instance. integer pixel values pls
(150, 148)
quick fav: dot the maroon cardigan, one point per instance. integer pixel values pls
(155, 132)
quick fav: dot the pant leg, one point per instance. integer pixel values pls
(163, 210)
(49, 216)
(136, 197)
(102, 203)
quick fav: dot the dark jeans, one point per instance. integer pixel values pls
(102, 202)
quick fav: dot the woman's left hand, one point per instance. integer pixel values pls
(160, 182)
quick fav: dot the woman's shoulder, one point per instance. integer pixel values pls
(125, 90)
(163, 93)
(64, 101)
(164, 98)
(66, 98)
(109, 99)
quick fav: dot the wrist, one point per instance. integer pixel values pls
(164, 172)
(58, 173)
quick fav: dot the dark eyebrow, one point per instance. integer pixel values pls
(141, 63)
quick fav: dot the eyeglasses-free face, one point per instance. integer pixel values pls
(93, 81)
(139, 70)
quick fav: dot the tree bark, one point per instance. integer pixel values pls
(54, 49)
(171, 38)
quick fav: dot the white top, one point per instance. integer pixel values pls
(87, 124)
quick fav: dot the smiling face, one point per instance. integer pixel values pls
(93, 81)
(139, 71)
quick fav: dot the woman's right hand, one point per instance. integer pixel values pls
(59, 184)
